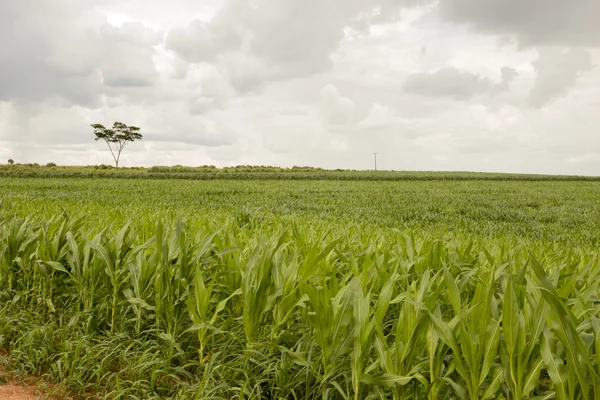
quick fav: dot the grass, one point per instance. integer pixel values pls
(344, 289)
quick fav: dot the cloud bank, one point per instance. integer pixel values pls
(451, 85)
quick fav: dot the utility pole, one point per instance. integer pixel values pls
(375, 154)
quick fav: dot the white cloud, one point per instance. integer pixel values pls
(379, 116)
(335, 109)
(507, 74)
(586, 158)
(203, 41)
(447, 82)
(201, 104)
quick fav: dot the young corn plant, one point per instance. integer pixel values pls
(331, 323)
(257, 287)
(366, 322)
(85, 272)
(20, 242)
(473, 337)
(364, 327)
(177, 257)
(199, 303)
(399, 349)
(140, 292)
(580, 379)
(523, 321)
(114, 253)
(286, 297)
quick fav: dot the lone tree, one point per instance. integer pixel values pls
(117, 138)
(11, 161)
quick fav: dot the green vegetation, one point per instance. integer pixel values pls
(250, 172)
(301, 289)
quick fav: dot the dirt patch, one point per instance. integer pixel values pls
(12, 390)
(32, 388)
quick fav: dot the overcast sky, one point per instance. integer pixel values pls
(480, 85)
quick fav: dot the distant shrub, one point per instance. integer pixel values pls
(50, 164)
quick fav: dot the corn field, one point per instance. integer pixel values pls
(216, 303)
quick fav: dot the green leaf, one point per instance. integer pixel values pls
(386, 380)
(554, 365)
(57, 266)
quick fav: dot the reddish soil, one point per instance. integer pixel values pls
(12, 390)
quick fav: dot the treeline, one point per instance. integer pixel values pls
(253, 172)
(237, 168)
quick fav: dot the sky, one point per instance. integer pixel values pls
(467, 85)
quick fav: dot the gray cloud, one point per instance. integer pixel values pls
(67, 52)
(134, 33)
(213, 136)
(43, 125)
(44, 54)
(203, 42)
(508, 74)
(335, 109)
(128, 56)
(173, 123)
(276, 39)
(534, 22)
(200, 105)
(447, 82)
(561, 30)
(210, 89)
(557, 71)
(379, 117)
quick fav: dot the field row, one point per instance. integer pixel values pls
(563, 212)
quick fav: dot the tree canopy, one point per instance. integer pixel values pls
(117, 137)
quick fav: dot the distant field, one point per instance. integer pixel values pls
(319, 284)
(535, 210)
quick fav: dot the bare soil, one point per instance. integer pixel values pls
(14, 392)
(10, 389)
